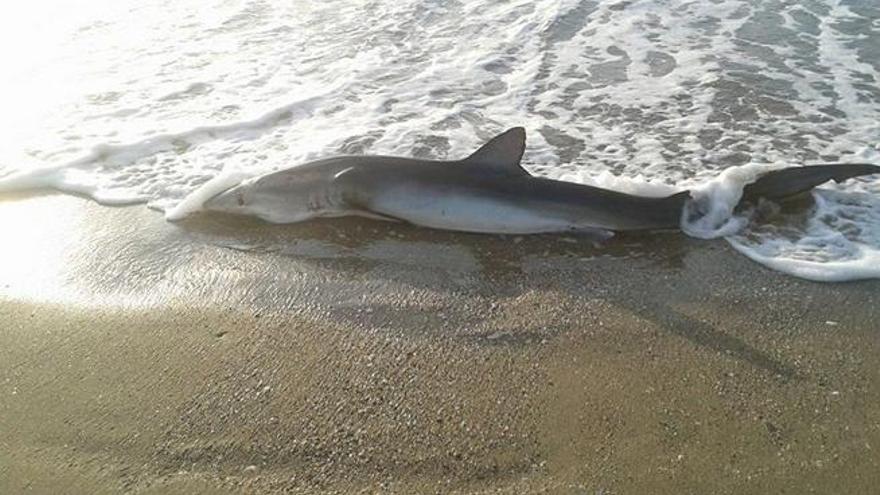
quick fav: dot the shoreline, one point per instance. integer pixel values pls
(223, 355)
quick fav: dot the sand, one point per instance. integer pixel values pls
(221, 355)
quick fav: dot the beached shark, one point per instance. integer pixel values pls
(487, 192)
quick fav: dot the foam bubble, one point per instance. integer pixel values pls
(711, 212)
(835, 240)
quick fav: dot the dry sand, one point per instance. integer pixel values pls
(228, 356)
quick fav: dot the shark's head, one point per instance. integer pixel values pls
(272, 197)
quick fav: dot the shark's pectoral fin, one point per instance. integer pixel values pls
(353, 205)
(502, 154)
(375, 216)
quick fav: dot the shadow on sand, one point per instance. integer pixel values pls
(496, 266)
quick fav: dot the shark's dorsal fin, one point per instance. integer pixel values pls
(502, 153)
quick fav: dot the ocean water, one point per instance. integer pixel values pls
(148, 101)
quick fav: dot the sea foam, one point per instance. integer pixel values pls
(150, 102)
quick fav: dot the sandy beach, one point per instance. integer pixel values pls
(222, 355)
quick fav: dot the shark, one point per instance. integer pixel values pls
(486, 192)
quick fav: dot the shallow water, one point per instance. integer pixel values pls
(146, 101)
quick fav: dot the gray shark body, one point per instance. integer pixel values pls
(487, 192)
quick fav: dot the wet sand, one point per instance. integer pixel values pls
(221, 355)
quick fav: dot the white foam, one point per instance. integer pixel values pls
(131, 101)
(711, 212)
(838, 240)
(856, 261)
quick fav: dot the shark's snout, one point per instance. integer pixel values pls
(228, 200)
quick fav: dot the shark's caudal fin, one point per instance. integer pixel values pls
(502, 153)
(781, 184)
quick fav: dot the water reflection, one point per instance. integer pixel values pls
(422, 248)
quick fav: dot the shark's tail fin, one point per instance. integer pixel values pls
(787, 182)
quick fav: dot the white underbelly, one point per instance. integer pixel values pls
(472, 215)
